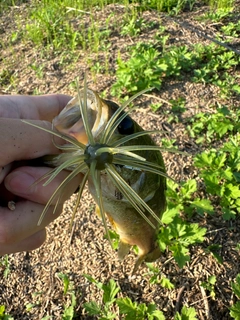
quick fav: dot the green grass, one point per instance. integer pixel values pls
(57, 25)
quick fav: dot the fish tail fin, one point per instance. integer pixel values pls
(123, 250)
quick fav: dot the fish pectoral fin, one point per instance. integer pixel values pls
(149, 257)
(153, 255)
(123, 249)
(138, 261)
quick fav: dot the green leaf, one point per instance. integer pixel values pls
(132, 310)
(166, 283)
(227, 174)
(186, 314)
(65, 280)
(212, 280)
(236, 286)
(209, 285)
(69, 311)
(169, 214)
(3, 315)
(30, 306)
(151, 308)
(205, 159)
(114, 237)
(92, 308)
(194, 233)
(189, 188)
(180, 254)
(110, 291)
(235, 311)
(237, 176)
(156, 315)
(4, 262)
(2, 310)
(141, 311)
(221, 127)
(228, 214)
(211, 180)
(126, 306)
(98, 284)
(233, 191)
(202, 206)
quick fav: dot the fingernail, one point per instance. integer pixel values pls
(19, 183)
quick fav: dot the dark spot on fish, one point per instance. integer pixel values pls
(118, 195)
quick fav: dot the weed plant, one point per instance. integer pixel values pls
(126, 307)
(147, 67)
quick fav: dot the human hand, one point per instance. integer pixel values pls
(19, 141)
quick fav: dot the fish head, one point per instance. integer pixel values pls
(70, 119)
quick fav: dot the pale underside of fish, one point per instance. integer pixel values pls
(122, 164)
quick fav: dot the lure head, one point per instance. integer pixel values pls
(127, 185)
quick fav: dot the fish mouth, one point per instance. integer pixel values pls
(75, 130)
(70, 120)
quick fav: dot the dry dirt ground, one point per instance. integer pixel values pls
(33, 276)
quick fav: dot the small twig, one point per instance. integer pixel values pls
(72, 232)
(215, 230)
(199, 300)
(205, 301)
(179, 298)
(165, 263)
(160, 99)
(200, 314)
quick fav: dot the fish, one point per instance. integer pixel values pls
(122, 164)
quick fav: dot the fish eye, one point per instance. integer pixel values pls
(126, 126)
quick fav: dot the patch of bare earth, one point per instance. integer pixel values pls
(33, 276)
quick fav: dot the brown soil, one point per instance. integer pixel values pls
(33, 276)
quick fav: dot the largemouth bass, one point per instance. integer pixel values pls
(122, 164)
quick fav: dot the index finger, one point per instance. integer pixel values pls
(21, 141)
(44, 107)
